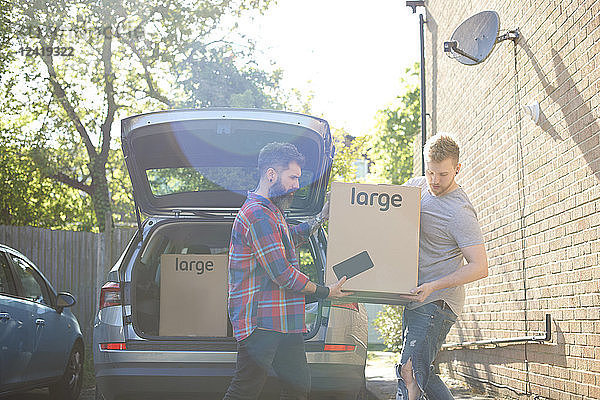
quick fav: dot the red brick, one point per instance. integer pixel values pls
(561, 179)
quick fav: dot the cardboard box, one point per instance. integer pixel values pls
(383, 221)
(193, 295)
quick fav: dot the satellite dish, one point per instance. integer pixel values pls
(474, 39)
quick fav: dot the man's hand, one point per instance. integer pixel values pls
(316, 221)
(423, 291)
(335, 290)
(475, 268)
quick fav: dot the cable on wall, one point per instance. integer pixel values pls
(521, 205)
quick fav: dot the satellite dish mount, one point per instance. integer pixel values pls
(474, 39)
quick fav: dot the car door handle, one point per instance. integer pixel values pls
(4, 316)
(40, 322)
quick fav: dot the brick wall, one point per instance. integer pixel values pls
(536, 189)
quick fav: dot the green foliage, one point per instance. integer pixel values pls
(348, 150)
(125, 58)
(392, 152)
(89, 374)
(397, 125)
(389, 325)
(214, 79)
(307, 263)
(5, 34)
(120, 188)
(29, 198)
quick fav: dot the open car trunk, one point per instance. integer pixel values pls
(179, 281)
(193, 161)
(198, 165)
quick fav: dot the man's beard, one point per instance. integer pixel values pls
(280, 197)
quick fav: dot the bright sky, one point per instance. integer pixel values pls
(350, 54)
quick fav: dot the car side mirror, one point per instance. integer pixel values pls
(64, 300)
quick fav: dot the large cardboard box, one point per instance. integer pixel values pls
(383, 221)
(193, 295)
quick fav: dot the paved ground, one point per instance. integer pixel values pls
(42, 394)
(381, 379)
(381, 383)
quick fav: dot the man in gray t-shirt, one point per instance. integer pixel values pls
(449, 233)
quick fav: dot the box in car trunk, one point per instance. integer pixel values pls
(193, 293)
(180, 281)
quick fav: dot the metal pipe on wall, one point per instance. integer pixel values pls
(422, 22)
(423, 105)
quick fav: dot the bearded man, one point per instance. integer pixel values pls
(266, 288)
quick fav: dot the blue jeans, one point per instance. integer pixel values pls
(424, 330)
(263, 350)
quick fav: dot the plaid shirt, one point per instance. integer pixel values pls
(264, 279)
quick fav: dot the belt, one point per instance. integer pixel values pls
(442, 304)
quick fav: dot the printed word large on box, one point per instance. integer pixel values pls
(193, 295)
(374, 241)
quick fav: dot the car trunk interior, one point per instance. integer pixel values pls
(197, 307)
(185, 248)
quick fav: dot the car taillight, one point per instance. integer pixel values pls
(339, 347)
(110, 295)
(113, 346)
(349, 306)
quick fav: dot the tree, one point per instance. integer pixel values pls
(397, 126)
(392, 152)
(82, 64)
(389, 324)
(348, 150)
(6, 33)
(214, 79)
(28, 198)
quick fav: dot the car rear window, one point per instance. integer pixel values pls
(213, 164)
(165, 181)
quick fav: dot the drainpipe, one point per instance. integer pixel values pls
(422, 22)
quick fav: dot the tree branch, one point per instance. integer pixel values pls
(109, 89)
(61, 96)
(152, 91)
(74, 183)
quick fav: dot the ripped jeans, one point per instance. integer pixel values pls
(424, 330)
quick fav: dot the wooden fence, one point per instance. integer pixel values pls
(74, 262)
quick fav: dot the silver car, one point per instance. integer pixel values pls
(191, 170)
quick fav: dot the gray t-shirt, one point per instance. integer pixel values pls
(448, 223)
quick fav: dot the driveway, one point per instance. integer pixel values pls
(381, 379)
(380, 373)
(42, 394)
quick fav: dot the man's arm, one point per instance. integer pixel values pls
(268, 247)
(300, 233)
(476, 268)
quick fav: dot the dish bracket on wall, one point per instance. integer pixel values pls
(474, 39)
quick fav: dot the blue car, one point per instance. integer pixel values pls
(40, 339)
